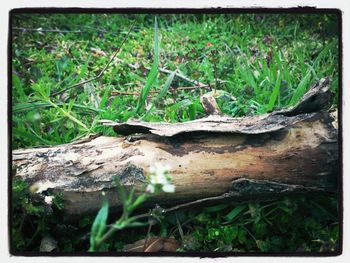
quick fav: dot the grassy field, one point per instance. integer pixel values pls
(254, 63)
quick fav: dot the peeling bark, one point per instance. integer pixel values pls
(284, 152)
(316, 99)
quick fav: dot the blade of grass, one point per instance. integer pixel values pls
(33, 136)
(152, 76)
(104, 99)
(234, 213)
(18, 87)
(323, 53)
(275, 92)
(163, 91)
(25, 107)
(300, 90)
(246, 72)
(166, 86)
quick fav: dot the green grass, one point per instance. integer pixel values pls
(265, 61)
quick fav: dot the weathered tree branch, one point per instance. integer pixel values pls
(211, 159)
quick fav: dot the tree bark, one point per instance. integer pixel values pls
(284, 152)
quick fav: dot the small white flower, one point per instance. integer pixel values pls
(159, 169)
(150, 188)
(159, 179)
(168, 188)
(48, 200)
(153, 179)
(41, 187)
(152, 169)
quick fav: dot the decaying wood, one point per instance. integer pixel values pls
(209, 104)
(215, 158)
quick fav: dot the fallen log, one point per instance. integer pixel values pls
(214, 158)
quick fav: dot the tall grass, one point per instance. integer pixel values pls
(152, 76)
(265, 61)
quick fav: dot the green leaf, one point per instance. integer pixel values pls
(139, 200)
(99, 225)
(68, 114)
(138, 224)
(242, 236)
(130, 199)
(234, 213)
(262, 245)
(181, 104)
(215, 208)
(32, 134)
(192, 111)
(229, 233)
(104, 98)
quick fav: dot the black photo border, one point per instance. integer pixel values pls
(216, 10)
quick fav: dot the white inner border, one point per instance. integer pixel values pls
(6, 5)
